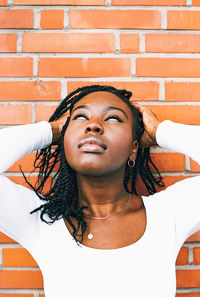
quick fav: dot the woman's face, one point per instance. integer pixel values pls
(98, 140)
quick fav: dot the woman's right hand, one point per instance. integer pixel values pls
(57, 127)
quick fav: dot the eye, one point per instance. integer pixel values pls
(80, 116)
(114, 118)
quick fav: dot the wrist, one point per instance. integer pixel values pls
(55, 131)
(155, 130)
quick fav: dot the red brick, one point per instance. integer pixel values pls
(142, 91)
(84, 67)
(17, 257)
(171, 180)
(149, 2)
(129, 43)
(52, 19)
(3, 2)
(16, 67)
(20, 279)
(172, 43)
(8, 43)
(188, 278)
(180, 19)
(16, 19)
(168, 181)
(182, 91)
(16, 295)
(183, 255)
(32, 180)
(43, 112)
(195, 2)
(194, 237)
(168, 67)
(196, 255)
(30, 90)
(26, 163)
(71, 42)
(187, 294)
(5, 239)
(195, 167)
(186, 114)
(169, 162)
(115, 19)
(59, 2)
(15, 114)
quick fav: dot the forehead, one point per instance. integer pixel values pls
(103, 99)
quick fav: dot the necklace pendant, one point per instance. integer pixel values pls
(90, 235)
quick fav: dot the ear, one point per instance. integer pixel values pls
(133, 154)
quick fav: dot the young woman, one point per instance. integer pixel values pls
(91, 234)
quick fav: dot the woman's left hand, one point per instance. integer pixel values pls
(57, 127)
(151, 122)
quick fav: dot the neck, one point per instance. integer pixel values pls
(102, 195)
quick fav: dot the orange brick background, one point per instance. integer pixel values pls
(50, 47)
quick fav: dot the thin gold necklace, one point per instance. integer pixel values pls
(91, 232)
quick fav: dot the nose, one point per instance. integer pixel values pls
(95, 127)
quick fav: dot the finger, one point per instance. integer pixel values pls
(136, 105)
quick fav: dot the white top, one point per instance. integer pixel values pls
(145, 268)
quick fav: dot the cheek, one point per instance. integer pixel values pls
(123, 142)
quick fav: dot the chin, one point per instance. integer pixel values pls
(91, 172)
(96, 168)
(89, 166)
(99, 171)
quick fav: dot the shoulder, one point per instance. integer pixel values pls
(184, 193)
(189, 184)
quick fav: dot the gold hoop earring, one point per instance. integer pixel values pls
(131, 163)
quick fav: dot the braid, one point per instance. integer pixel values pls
(61, 200)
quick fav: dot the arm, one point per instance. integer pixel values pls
(17, 201)
(181, 138)
(15, 142)
(182, 199)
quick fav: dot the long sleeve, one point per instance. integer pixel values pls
(181, 138)
(17, 141)
(16, 201)
(182, 198)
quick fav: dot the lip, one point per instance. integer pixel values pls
(92, 144)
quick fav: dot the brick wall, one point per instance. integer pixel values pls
(50, 47)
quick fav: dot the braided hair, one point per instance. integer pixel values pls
(61, 201)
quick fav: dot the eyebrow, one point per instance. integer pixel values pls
(117, 108)
(106, 109)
